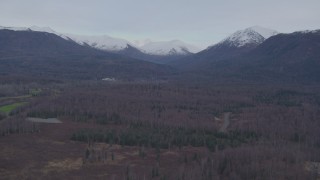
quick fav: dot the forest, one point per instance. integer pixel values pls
(159, 130)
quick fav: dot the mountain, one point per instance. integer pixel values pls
(285, 58)
(236, 44)
(258, 55)
(47, 55)
(252, 36)
(289, 57)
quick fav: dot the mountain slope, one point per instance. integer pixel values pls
(282, 58)
(238, 43)
(13, 43)
(41, 54)
(294, 56)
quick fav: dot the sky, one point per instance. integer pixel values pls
(198, 22)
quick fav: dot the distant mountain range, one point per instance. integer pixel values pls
(254, 54)
(163, 48)
(111, 44)
(158, 52)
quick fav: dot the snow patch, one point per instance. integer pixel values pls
(265, 32)
(169, 48)
(140, 43)
(103, 42)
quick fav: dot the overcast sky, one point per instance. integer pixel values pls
(199, 22)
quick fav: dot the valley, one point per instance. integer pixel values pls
(247, 107)
(142, 130)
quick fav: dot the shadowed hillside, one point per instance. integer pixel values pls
(44, 54)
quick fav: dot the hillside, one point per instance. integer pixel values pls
(294, 57)
(46, 55)
(236, 44)
(286, 58)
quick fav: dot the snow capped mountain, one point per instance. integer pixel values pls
(174, 47)
(251, 36)
(108, 43)
(103, 42)
(35, 28)
(100, 42)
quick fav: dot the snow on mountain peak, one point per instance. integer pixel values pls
(252, 35)
(103, 42)
(265, 32)
(42, 29)
(34, 28)
(141, 42)
(169, 48)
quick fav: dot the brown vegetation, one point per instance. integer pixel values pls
(164, 131)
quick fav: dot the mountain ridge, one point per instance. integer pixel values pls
(42, 54)
(112, 44)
